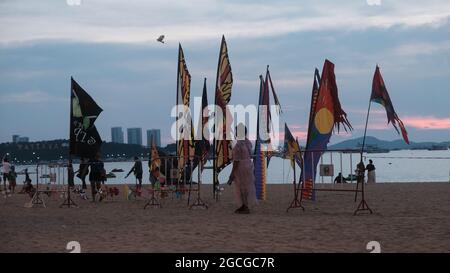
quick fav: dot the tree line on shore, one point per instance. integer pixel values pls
(57, 150)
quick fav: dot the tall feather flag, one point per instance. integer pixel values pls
(259, 160)
(292, 148)
(202, 146)
(263, 148)
(380, 95)
(84, 138)
(185, 147)
(155, 161)
(224, 83)
(269, 84)
(326, 114)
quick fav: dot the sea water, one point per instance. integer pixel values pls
(395, 166)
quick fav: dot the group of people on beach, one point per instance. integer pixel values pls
(241, 176)
(94, 169)
(360, 174)
(9, 176)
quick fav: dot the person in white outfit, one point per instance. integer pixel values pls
(242, 173)
(6, 168)
(371, 178)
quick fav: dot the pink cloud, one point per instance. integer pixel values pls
(301, 135)
(427, 122)
(418, 122)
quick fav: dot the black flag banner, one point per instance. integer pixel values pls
(84, 138)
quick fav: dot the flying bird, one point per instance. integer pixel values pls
(160, 39)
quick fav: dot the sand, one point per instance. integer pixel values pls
(408, 217)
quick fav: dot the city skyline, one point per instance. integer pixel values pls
(134, 136)
(117, 135)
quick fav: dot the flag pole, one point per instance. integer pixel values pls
(68, 202)
(215, 158)
(363, 204)
(365, 130)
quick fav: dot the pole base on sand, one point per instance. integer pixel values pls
(295, 204)
(199, 203)
(153, 202)
(68, 202)
(37, 200)
(362, 207)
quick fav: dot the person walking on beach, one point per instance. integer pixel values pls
(82, 172)
(137, 170)
(242, 173)
(28, 186)
(371, 178)
(12, 176)
(6, 168)
(96, 175)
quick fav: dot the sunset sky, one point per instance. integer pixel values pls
(110, 48)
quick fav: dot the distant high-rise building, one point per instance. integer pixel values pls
(15, 138)
(23, 140)
(117, 135)
(134, 136)
(154, 135)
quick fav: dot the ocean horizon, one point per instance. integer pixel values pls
(395, 166)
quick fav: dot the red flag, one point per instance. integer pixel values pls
(380, 95)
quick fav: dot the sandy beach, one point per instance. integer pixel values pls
(408, 217)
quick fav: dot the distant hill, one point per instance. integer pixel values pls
(384, 144)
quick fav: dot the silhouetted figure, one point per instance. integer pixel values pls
(97, 175)
(340, 179)
(82, 172)
(371, 178)
(137, 170)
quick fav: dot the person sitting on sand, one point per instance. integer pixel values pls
(340, 179)
(371, 179)
(242, 172)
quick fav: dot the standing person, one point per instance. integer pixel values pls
(82, 172)
(360, 170)
(137, 170)
(27, 177)
(12, 179)
(6, 169)
(28, 186)
(242, 173)
(371, 178)
(96, 174)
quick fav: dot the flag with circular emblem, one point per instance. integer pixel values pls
(326, 114)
